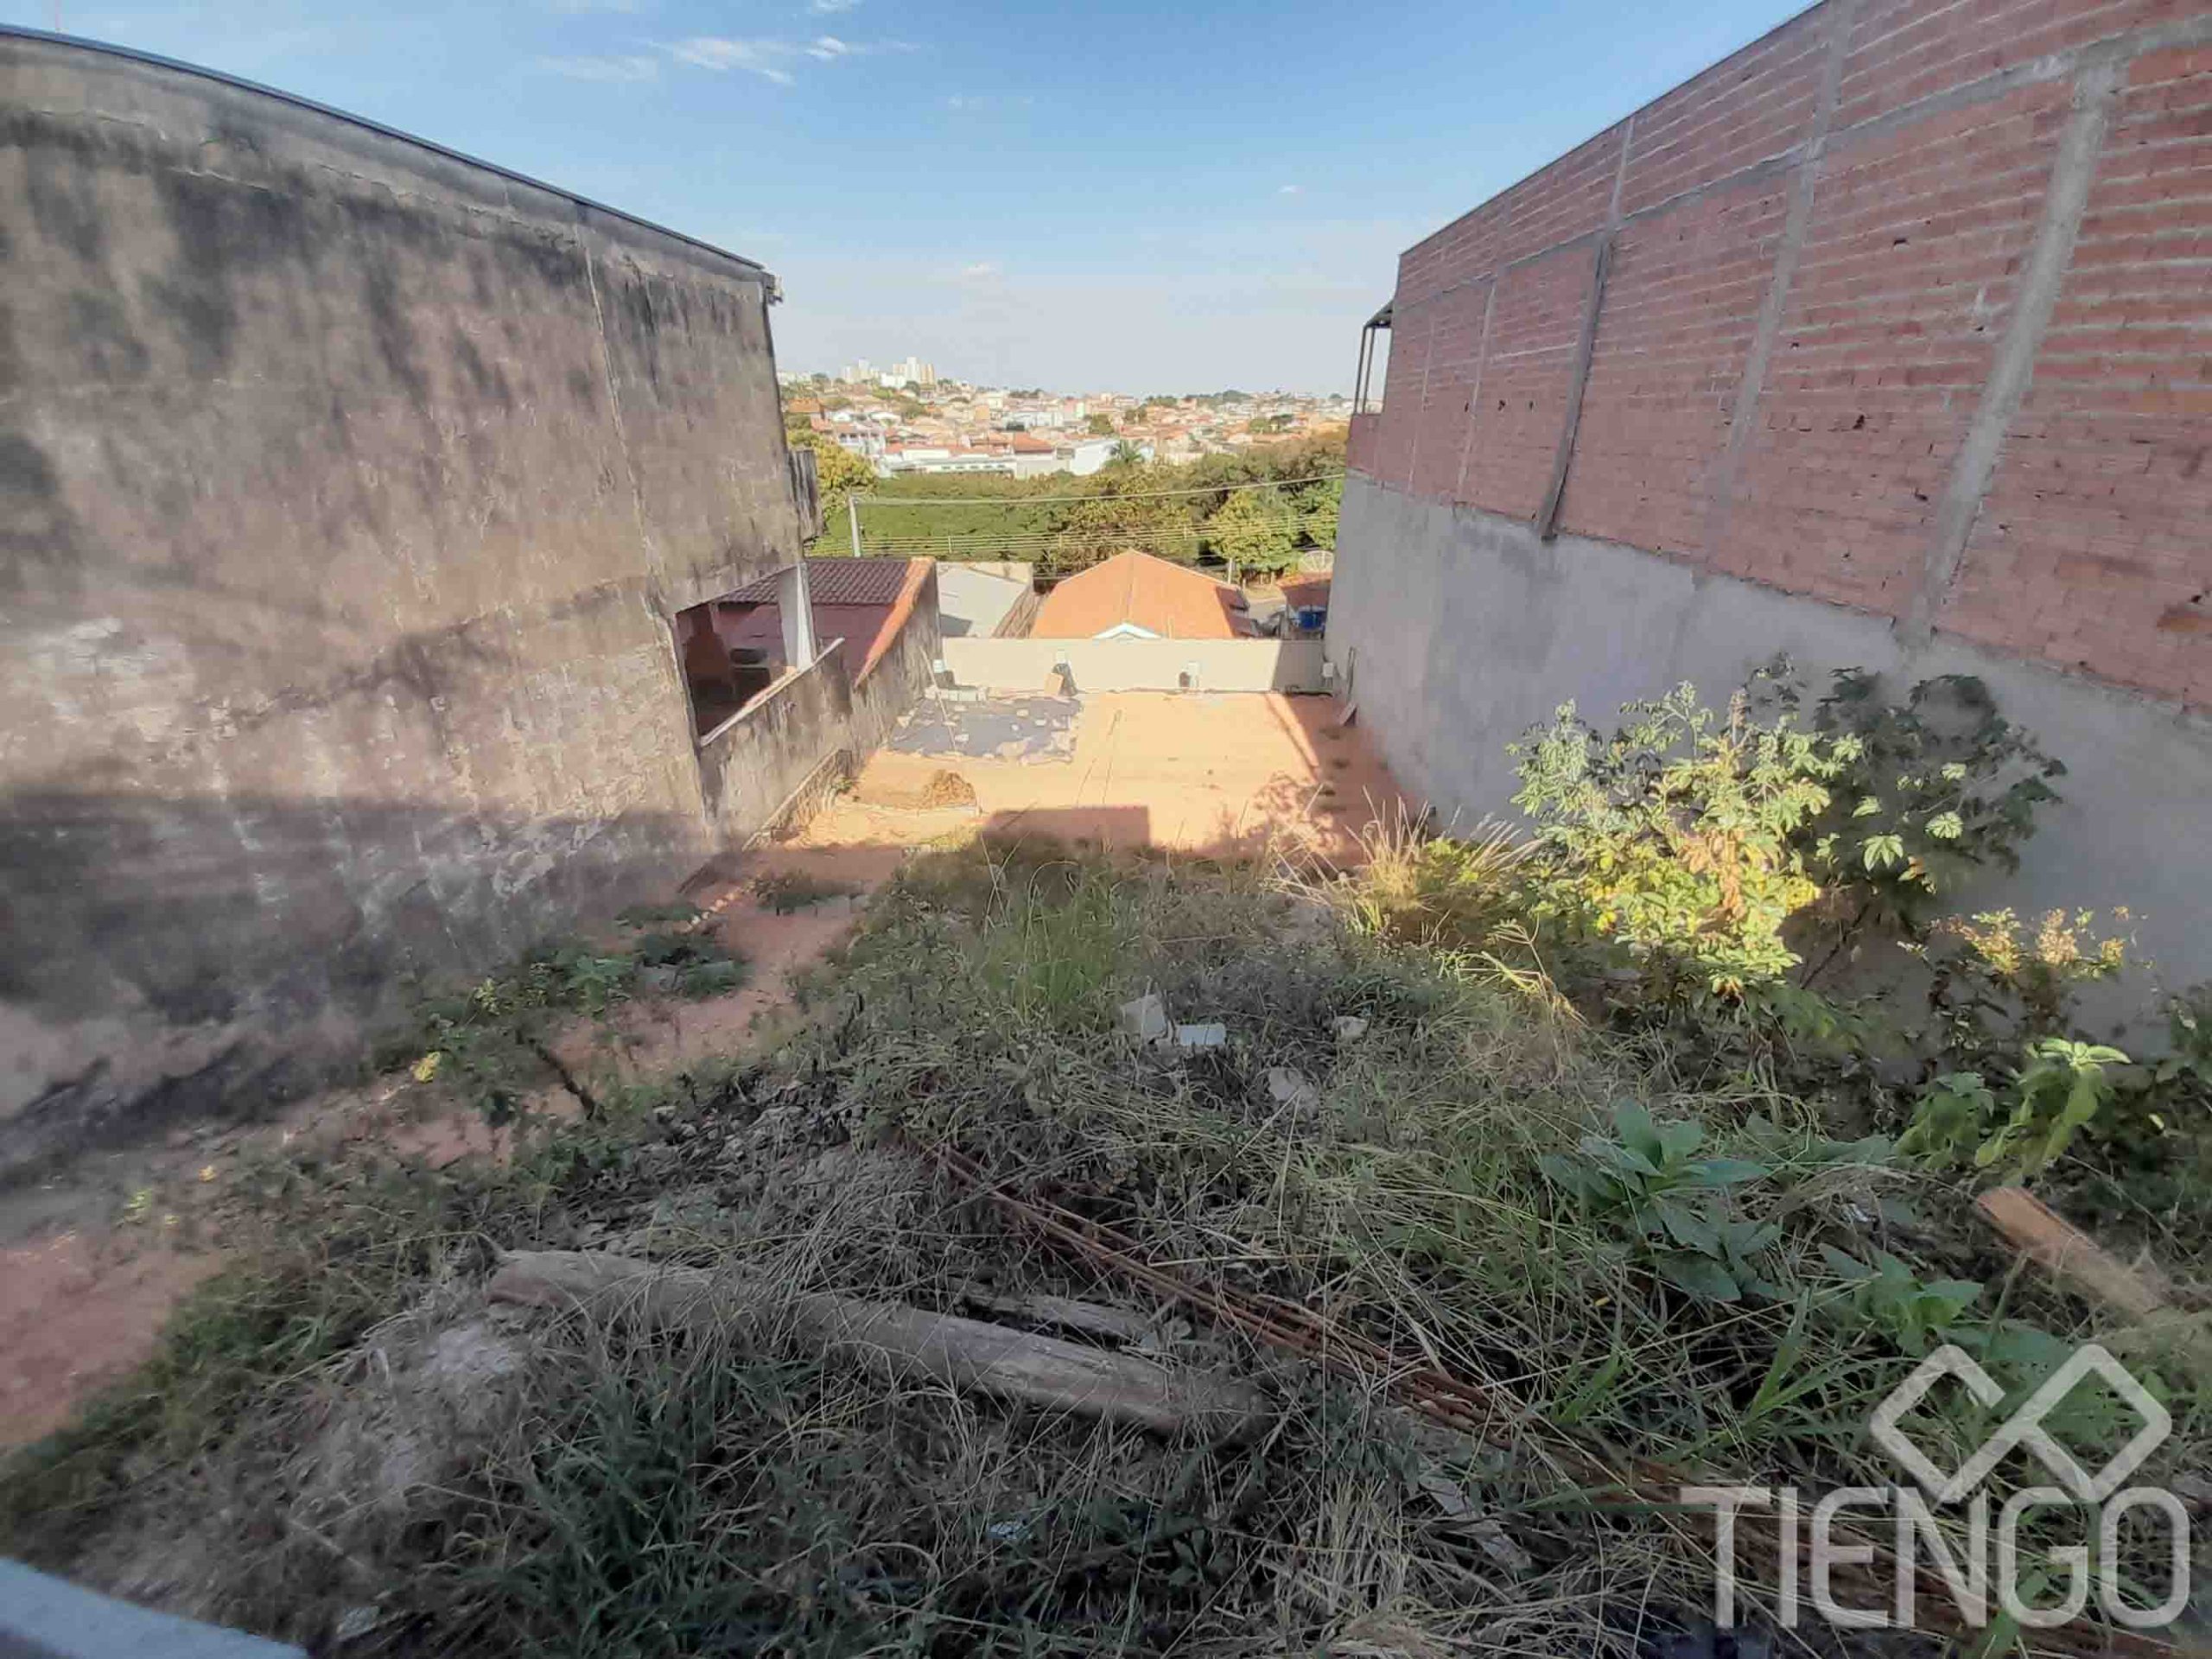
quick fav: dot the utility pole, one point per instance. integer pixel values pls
(852, 517)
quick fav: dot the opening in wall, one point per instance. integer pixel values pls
(736, 647)
(1374, 363)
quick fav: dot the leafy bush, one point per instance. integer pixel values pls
(2062, 1087)
(1678, 836)
(1670, 1202)
(1893, 1299)
(1932, 790)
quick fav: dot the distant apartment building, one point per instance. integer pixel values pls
(933, 458)
(1886, 343)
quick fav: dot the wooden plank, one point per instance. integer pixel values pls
(892, 1339)
(2056, 1245)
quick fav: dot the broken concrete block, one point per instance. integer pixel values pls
(1145, 1018)
(1348, 1027)
(1286, 1086)
(1207, 1036)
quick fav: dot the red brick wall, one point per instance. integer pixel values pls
(1870, 208)
(2091, 546)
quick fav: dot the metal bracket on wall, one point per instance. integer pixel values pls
(1547, 519)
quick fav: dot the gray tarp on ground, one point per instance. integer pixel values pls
(42, 1617)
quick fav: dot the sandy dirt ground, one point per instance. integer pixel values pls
(1217, 773)
(92, 1261)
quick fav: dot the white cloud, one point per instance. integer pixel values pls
(721, 54)
(617, 69)
(1291, 190)
(830, 8)
(982, 271)
(766, 58)
(580, 7)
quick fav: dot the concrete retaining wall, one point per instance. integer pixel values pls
(1139, 665)
(1455, 630)
(750, 765)
(890, 685)
(347, 490)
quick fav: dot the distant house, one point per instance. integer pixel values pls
(975, 603)
(861, 602)
(1136, 596)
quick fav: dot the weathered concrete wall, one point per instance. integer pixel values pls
(346, 490)
(890, 685)
(1138, 664)
(1455, 630)
(749, 767)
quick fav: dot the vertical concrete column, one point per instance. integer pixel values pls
(1720, 481)
(2081, 143)
(795, 601)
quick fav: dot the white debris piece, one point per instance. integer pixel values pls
(1286, 1086)
(1208, 1036)
(1145, 1018)
(1348, 1027)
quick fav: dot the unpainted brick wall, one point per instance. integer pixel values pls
(1823, 253)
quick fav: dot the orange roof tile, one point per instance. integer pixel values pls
(1169, 601)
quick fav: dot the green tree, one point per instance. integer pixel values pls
(1120, 509)
(1256, 532)
(1099, 426)
(839, 472)
(1125, 453)
(1321, 503)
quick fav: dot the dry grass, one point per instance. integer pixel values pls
(655, 1495)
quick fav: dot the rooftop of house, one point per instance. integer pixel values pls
(1137, 593)
(836, 581)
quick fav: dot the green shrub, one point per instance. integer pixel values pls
(1677, 837)
(1931, 791)
(2061, 1088)
(1670, 1202)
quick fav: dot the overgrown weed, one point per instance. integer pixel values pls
(1647, 1253)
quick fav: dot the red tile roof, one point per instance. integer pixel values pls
(1170, 601)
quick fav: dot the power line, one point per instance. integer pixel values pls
(1053, 500)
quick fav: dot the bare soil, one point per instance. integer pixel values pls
(92, 1260)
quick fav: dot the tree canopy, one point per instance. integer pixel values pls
(838, 473)
(1257, 531)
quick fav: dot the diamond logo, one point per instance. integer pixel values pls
(2024, 1428)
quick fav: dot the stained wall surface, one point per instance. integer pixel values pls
(347, 490)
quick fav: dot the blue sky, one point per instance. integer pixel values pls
(1146, 196)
